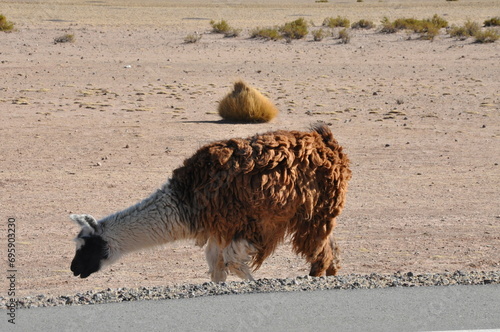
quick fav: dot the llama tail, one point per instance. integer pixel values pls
(326, 134)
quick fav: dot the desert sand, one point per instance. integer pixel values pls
(96, 125)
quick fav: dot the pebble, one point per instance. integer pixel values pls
(306, 283)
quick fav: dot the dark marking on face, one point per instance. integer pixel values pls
(89, 256)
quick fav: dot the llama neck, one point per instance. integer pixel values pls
(154, 221)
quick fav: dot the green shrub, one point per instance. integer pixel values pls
(294, 30)
(363, 24)
(487, 36)
(5, 25)
(266, 33)
(492, 22)
(337, 22)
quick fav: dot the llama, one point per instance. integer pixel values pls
(240, 198)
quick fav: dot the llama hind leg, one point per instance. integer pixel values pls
(237, 256)
(327, 260)
(216, 266)
(335, 264)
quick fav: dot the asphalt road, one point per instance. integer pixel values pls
(389, 309)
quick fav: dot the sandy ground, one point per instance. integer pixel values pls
(96, 125)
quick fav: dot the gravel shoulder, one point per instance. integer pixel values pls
(298, 284)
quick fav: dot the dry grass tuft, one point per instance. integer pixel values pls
(487, 36)
(465, 31)
(266, 33)
(192, 38)
(492, 22)
(344, 36)
(363, 24)
(338, 22)
(294, 30)
(66, 38)
(427, 28)
(224, 28)
(246, 104)
(319, 34)
(5, 26)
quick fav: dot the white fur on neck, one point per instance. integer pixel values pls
(154, 221)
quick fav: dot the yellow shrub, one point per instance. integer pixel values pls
(246, 104)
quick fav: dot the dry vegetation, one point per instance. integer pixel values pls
(363, 24)
(66, 38)
(338, 22)
(246, 104)
(427, 29)
(492, 22)
(5, 25)
(224, 28)
(192, 38)
(294, 30)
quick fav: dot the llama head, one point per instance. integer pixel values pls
(91, 249)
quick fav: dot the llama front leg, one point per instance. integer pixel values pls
(216, 266)
(237, 256)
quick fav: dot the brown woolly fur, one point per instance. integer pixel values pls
(246, 104)
(260, 189)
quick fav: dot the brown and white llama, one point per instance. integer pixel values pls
(240, 197)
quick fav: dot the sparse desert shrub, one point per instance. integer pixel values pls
(344, 36)
(337, 22)
(220, 27)
(232, 33)
(465, 31)
(66, 38)
(487, 36)
(363, 24)
(192, 38)
(319, 34)
(5, 25)
(294, 30)
(406, 23)
(388, 26)
(246, 104)
(492, 22)
(427, 28)
(437, 21)
(266, 33)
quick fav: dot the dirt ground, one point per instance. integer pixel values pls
(96, 125)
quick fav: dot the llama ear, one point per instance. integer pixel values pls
(85, 221)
